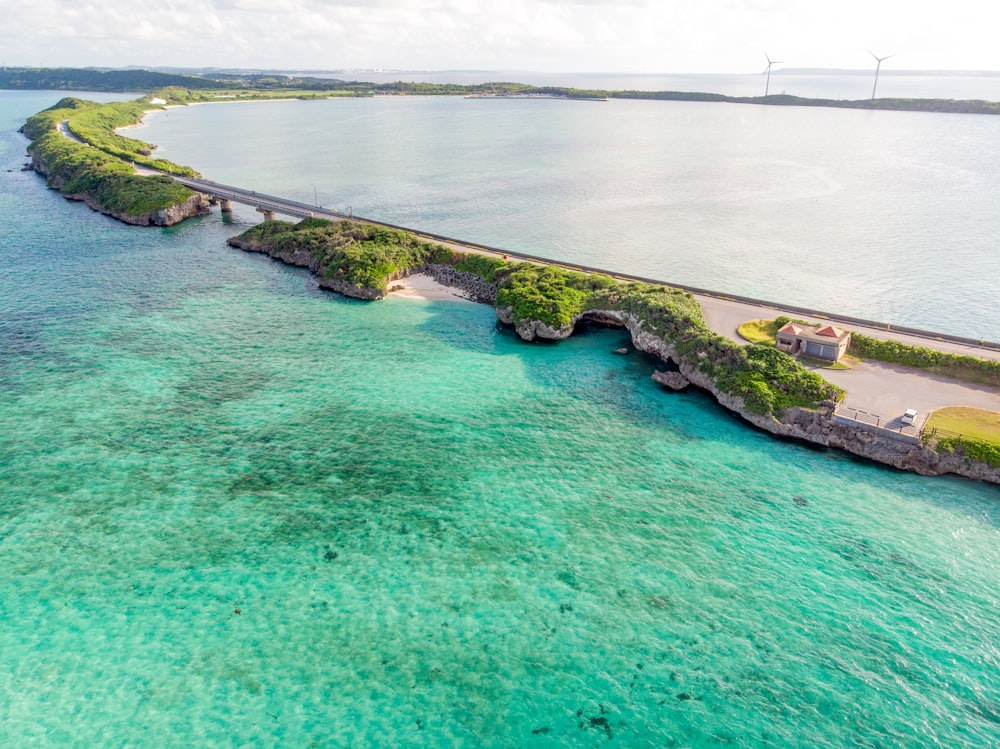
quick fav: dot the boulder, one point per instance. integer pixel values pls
(672, 380)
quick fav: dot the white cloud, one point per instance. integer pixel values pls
(554, 35)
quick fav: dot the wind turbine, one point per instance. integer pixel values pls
(767, 70)
(877, 68)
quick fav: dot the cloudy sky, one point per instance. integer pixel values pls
(626, 36)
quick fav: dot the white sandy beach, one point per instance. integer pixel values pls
(421, 286)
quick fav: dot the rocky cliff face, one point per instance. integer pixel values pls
(303, 259)
(817, 427)
(196, 205)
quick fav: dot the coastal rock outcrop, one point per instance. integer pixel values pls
(529, 330)
(470, 285)
(195, 205)
(672, 380)
(706, 363)
(814, 426)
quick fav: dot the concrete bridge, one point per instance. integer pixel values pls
(269, 205)
(723, 312)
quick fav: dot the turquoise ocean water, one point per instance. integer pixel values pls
(435, 535)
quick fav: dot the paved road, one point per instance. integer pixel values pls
(64, 129)
(724, 316)
(888, 390)
(878, 388)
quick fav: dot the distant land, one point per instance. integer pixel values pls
(487, 72)
(283, 85)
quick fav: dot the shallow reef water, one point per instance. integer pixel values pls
(238, 510)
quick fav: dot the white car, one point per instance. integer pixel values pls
(909, 415)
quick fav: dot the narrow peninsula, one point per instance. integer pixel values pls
(74, 144)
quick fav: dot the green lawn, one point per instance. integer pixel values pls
(759, 331)
(972, 422)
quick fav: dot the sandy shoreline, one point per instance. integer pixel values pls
(422, 286)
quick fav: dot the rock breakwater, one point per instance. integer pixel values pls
(470, 285)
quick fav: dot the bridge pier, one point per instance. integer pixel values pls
(268, 215)
(227, 205)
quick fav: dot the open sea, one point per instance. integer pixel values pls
(237, 511)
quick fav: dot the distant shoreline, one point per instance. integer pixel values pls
(191, 89)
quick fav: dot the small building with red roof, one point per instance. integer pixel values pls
(826, 342)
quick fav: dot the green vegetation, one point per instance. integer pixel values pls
(548, 294)
(844, 362)
(971, 432)
(181, 89)
(361, 255)
(975, 450)
(88, 79)
(958, 366)
(176, 95)
(77, 168)
(767, 380)
(368, 257)
(764, 332)
(364, 256)
(484, 266)
(97, 125)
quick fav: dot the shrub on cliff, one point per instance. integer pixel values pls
(78, 169)
(663, 310)
(366, 256)
(767, 380)
(484, 266)
(968, 368)
(973, 449)
(545, 293)
(111, 184)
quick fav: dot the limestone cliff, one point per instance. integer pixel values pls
(195, 205)
(815, 426)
